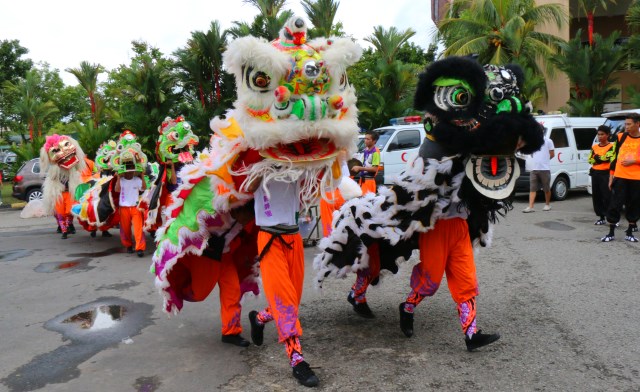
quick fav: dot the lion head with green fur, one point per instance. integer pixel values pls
(128, 154)
(176, 142)
(104, 154)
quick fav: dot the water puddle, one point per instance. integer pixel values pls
(551, 225)
(15, 254)
(103, 253)
(55, 266)
(147, 384)
(90, 328)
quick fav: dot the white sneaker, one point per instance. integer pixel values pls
(528, 209)
(546, 208)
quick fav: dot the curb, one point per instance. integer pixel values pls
(13, 206)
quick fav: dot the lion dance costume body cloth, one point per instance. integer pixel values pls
(295, 110)
(447, 197)
(66, 167)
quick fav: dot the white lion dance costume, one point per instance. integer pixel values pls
(295, 111)
(67, 167)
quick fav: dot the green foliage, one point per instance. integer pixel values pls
(91, 138)
(266, 24)
(27, 150)
(12, 68)
(504, 31)
(589, 69)
(321, 14)
(142, 94)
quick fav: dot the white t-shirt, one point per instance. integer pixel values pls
(130, 191)
(281, 208)
(540, 159)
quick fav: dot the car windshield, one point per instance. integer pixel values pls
(383, 137)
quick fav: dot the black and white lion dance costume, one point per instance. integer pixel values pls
(465, 172)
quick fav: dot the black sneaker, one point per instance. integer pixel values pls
(64, 236)
(406, 321)
(600, 222)
(361, 308)
(93, 234)
(106, 234)
(140, 253)
(480, 339)
(236, 340)
(305, 376)
(130, 249)
(607, 238)
(630, 238)
(72, 229)
(257, 330)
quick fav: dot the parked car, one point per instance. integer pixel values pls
(572, 138)
(27, 184)
(396, 144)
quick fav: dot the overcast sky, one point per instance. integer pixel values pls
(66, 32)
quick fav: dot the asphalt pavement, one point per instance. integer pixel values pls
(80, 315)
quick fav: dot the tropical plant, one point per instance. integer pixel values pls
(503, 31)
(90, 138)
(321, 14)
(12, 68)
(589, 8)
(589, 69)
(27, 150)
(142, 94)
(29, 106)
(389, 42)
(87, 75)
(266, 24)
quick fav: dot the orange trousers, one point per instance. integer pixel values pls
(282, 271)
(62, 211)
(128, 216)
(196, 276)
(327, 208)
(368, 185)
(445, 249)
(366, 276)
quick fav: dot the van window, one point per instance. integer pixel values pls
(616, 124)
(405, 140)
(36, 168)
(559, 138)
(584, 137)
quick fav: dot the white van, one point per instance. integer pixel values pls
(572, 138)
(397, 143)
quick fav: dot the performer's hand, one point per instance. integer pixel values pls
(356, 169)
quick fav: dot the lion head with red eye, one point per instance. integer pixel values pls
(176, 142)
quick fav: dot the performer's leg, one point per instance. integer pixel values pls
(368, 186)
(125, 227)
(230, 307)
(326, 214)
(632, 208)
(426, 276)
(138, 229)
(357, 296)
(60, 213)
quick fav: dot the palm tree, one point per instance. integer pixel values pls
(208, 48)
(589, 69)
(503, 31)
(389, 42)
(87, 75)
(321, 14)
(28, 105)
(589, 8)
(267, 23)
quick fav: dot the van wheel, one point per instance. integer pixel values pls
(34, 194)
(560, 189)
